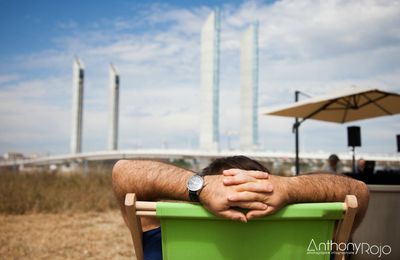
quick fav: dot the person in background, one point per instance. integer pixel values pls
(332, 165)
(360, 166)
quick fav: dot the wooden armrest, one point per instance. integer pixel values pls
(145, 208)
(343, 230)
(134, 209)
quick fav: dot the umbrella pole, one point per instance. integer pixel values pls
(296, 131)
(296, 134)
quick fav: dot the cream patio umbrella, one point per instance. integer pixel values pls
(341, 107)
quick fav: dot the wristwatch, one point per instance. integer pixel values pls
(195, 184)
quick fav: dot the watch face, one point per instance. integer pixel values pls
(195, 183)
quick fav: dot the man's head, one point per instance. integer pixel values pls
(233, 162)
(361, 165)
(333, 161)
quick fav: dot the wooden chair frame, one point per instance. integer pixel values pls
(134, 209)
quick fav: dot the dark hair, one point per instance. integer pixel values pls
(333, 158)
(237, 162)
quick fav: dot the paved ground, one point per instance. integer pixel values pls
(65, 236)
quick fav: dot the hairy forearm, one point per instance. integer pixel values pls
(328, 187)
(150, 180)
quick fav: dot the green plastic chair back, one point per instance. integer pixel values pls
(191, 232)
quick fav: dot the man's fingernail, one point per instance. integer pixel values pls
(269, 187)
(264, 206)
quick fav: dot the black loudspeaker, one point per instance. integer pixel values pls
(398, 143)
(353, 136)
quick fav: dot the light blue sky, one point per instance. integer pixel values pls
(312, 46)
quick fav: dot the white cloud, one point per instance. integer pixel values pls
(312, 46)
(70, 24)
(34, 111)
(8, 78)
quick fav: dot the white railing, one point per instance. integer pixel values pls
(170, 154)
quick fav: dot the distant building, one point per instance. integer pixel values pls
(249, 89)
(114, 108)
(78, 78)
(10, 156)
(210, 45)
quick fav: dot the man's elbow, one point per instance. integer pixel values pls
(117, 170)
(363, 200)
(125, 176)
(363, 193)
(118, 177)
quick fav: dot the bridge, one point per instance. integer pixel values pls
(171, 154)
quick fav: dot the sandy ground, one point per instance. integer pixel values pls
(65, 236)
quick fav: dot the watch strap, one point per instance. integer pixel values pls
(194, 196)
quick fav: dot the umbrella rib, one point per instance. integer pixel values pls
(346, 103)
(376, 104)
(355, 101)
(317, 111)
(358, 99)
(342, 103)
(334, 108)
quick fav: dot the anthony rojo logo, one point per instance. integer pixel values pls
(347, 248)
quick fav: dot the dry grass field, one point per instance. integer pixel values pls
(61, 216)
(43, 192)
(90, 235)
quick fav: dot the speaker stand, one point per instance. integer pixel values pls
(354, 159)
